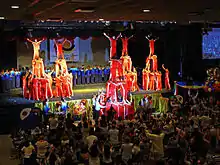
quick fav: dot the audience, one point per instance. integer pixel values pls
(184, 135)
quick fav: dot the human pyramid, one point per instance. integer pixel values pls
(37, 85)
(152, 78)
(123, 78)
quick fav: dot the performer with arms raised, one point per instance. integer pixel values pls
(113, 42)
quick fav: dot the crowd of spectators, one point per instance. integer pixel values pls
(186, 134)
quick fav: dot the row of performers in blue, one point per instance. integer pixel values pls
(90, 76)
(9, 80)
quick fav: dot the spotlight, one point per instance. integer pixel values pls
(101, 19)
(15, 7)
(2, 17)
(146, 10)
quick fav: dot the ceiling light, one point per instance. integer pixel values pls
(101, 19)
(84, 11)
(15, 7)
(146, 10)
(2, 17)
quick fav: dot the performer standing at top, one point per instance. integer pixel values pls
(167, 79)
(59, 45)
(36, 47)
(113, 43)
(125, 44)
(151, 45)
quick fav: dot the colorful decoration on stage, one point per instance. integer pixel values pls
(151, 77)
(212, 83)
(37, 85)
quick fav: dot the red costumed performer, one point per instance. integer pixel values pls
(159, 81)
(24, 86)
(59, 90)
(70, 83)
(38, 67)
(154, 59)
(49, 85)
(167, 79)
(116, 70)
(134, 81)
(126, 63)
(148, 62)
(30, 86)
(125, 45)
(151, 45)
(113, 43)
(35, 82)
(36, 47)
(59, 45)
(152, 81)
(65, 86)
(146, 79)
(44, 89)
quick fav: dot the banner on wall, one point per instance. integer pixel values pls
(70, 50)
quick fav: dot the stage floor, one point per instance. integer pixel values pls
(87, 91)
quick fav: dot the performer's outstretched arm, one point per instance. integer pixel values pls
(197, 93)
(130, 37)
(147, 38)
(106, 36)
(119, 36)
(163, 67)
(189, 93)
(55, 41)
(42, 40)
(64, 41)
(156, 39)
(29, 40)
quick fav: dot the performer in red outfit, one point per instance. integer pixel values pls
(146, 79)
(36, 47)
(44, 85)
(30, 86)
(113, 43)
(59, 90)
(49, 85)
(116, 70)
(35, 82)
(148, 62)
(125, 45)
(70, 83)
(126, 64)
(159, 81)
(38, 67)
(65, 85)
(24, 83)
(152, 81)
(167, 79)
(134, 81)
(59, 45)
(154, 59)
(151, 45)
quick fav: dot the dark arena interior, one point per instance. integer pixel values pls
(120, 82)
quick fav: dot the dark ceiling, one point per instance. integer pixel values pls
(170, 10)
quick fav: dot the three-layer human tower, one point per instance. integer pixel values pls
(151, 76)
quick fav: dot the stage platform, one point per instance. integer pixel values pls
(12, 103)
